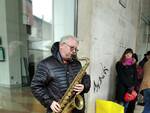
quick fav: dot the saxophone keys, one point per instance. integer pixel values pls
(65, 101)
(76, 82)
(67, 97)
(62, 106)
(69, 94)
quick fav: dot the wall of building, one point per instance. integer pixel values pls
(4, 66)
(84, 26)
(84, 32)
(143, 35)
(14, 43)
(143, 40)
(14, 39)
(105, 29)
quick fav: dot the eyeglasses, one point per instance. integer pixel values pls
(72, 47)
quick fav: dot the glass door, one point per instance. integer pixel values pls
(46, 22)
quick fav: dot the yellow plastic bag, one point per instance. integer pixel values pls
(103, 106)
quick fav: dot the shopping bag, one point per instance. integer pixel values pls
(104, 106)
(130, 96)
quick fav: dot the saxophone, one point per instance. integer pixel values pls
(70, 99)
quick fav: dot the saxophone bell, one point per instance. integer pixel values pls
(78, 102)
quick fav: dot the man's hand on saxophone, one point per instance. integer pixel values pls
(55, 107)
(78, 88)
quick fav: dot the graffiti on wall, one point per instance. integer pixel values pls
(103, 72)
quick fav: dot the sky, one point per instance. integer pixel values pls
(42, 8)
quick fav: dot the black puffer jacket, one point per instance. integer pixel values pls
(52, 78)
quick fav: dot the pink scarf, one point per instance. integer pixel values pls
(128, 62)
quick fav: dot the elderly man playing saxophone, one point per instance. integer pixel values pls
(55, 74)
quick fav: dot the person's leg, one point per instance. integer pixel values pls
(146, 101)
(126, 106)
(131, 107)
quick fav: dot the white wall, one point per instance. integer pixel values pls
(143, 35)
(4, 66)
(142, 45)
(84, 26)
(111, 29)
(14, 41)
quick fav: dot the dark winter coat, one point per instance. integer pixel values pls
(52, 78)
(126, 79)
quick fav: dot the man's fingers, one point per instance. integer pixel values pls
(55, 107)
(78, 88)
